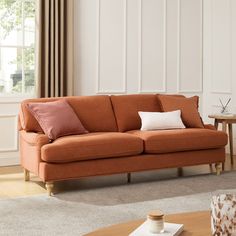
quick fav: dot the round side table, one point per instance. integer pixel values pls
(226, 120)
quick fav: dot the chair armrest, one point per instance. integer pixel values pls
(209, 126)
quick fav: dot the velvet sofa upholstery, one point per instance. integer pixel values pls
(114, 143)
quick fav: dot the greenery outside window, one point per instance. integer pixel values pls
(17, 47)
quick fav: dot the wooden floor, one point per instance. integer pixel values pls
(12, 183)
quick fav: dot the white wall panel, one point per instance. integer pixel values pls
(132, 45)
(86, 17)
(221, 46)
(219, 57)
(172, 43)
(152, 47)
(9, 148)
(111, 77)
(138, 46)
(9, 133)
(190, 46)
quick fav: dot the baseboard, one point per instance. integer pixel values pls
(9, 161)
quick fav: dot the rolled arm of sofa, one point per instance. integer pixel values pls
(209, 126)
(30, 149)
(34, 139)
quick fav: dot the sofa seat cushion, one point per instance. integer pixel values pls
(166, 141)
(92, 146)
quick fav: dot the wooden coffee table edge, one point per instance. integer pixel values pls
(127, 227)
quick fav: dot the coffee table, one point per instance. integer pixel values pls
(195, 224)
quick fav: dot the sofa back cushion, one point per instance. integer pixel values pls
(94, 112)
(188, 107)
(126, 108)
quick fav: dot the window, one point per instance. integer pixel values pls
(17, 47)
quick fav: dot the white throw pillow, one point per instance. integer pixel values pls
(161, 120)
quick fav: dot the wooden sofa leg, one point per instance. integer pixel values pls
(26, 175)
(128, 177)
(49, 187)
(223, 166)
(218, 168)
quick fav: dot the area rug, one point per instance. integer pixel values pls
(77, 213)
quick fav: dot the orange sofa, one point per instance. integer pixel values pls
(115, 143)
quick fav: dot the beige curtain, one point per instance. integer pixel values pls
(54, 47)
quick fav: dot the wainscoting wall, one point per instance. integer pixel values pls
(158, 46)
(139, 46)
(219, 60)
(9, 146)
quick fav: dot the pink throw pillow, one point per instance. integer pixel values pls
(57, 118)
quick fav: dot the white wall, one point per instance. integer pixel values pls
(9, 143)
(139, 46)
(219, 53)
(219, 56)
(157, 46)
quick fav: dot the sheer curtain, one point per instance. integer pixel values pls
(54, 47)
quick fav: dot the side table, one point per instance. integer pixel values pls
(226, 120)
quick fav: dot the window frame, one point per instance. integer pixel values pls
(21, 95)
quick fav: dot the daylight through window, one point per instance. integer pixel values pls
(17, 47)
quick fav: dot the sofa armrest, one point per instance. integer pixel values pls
(209, 126)
(30, 149)
(34, 139)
